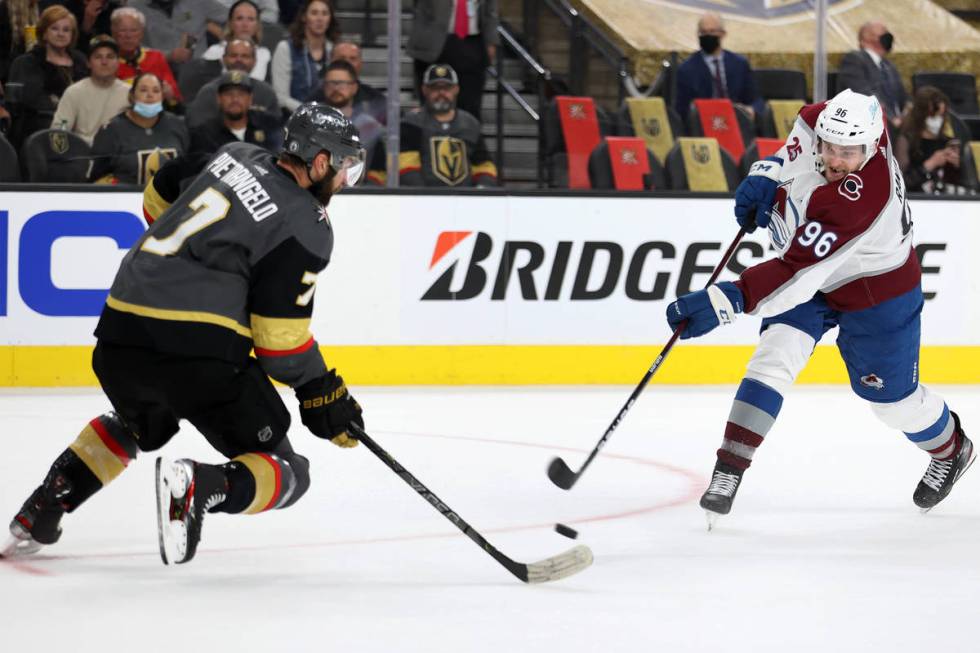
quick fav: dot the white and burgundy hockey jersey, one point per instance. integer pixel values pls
(850, 240)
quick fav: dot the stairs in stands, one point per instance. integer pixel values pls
(358, 19)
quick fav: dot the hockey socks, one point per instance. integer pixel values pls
(264, 481)
(98, 455)
(940, 439)
(753, 413)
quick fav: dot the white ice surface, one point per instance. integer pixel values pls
(824, 550)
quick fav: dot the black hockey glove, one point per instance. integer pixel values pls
(328, 410)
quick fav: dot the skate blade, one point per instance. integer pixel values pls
(712, 518)
(20, 547)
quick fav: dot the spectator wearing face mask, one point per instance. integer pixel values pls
(867, 70)
(928, 156)
(714, 72)
(137, 142)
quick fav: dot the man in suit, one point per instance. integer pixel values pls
(461, 33)
(714, 72)
(868, 71)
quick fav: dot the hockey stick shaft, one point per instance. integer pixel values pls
(516, 568)
(653, 368)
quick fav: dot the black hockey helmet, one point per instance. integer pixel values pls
(315, 127)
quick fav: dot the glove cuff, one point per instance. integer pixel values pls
(726, 301)
(770, 167)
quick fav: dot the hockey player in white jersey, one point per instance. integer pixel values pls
(834, 201)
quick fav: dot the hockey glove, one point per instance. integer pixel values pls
(328, 410)
(757, 192)
(705, 309)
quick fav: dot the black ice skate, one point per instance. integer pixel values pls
(186, 490)
(37, 523)
(941, 475)
(717, 499)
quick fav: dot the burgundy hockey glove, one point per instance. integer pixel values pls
(327, 409)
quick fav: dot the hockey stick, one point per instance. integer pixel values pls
(564, 564)
(558, 471)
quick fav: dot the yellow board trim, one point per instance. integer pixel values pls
(179, 316)
(511, 365)
(96, 456)
(265, 481)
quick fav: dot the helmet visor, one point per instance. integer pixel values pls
(350, 165)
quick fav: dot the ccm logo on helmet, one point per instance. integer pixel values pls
(850, 187)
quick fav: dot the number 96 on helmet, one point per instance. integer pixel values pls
(316, 127)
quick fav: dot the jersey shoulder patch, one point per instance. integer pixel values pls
(856, 200)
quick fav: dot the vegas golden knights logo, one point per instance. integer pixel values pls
(150, 162)
(450, 164)
(701, 153)
(651, 126)
(58, 142)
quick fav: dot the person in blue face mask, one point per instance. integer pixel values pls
(134, 144)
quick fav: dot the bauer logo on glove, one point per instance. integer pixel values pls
(328, 409)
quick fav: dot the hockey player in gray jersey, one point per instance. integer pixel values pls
(226, 268)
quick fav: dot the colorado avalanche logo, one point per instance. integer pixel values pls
(782, 225)
(873, 381)
(850, 187)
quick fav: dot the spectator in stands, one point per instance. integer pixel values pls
(368, 99)
(243, 23)
(38, 78)
(89, 104)
(461, 33)
(339, 90)
(127, 29)
(240, 56)
(441, 145)
(714, 72)
(868, 70)
(930, 160)
(18, 31)
(235, 122)
(268, 9)
(179, 27)
(92, 16)
(299, 61)
(133, 146)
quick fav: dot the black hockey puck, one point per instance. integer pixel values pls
(561, 529)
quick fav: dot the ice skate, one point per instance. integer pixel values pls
(941, 475)
(36, 524)
(717, 499)
(186, 490)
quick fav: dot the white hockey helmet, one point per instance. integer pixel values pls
(850, 118)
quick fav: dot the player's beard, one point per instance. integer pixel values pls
(323, 190)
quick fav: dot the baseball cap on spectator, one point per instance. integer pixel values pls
(235, 78)
(440, 73)
(102, 41)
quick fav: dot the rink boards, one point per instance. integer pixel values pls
(482, 289)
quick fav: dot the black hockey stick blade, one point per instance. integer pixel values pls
(561, 475)
(554, 568)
